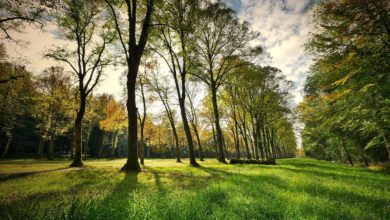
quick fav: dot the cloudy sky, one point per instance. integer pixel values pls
(284, 26)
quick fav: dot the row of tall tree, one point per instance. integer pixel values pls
(206, 50)
(346, 108)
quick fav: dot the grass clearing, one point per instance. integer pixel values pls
(293, 189)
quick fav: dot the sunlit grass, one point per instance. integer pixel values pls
(293, 189)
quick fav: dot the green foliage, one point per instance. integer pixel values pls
(347, 91)
(293, 189)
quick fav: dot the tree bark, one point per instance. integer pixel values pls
(132, 163)
(77, 160)
(187, 131)
(237, 137)
(221, 154)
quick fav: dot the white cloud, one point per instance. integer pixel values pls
(284, 28)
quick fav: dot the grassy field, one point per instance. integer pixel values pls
(293, 189)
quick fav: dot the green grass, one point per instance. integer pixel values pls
(293, 189)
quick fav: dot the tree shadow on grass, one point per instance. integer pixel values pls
(6, 177)
(274, 197)
(364, 177)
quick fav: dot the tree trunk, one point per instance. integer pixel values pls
(114, 143)
(141, 147)
(6, 147)
(237, 138)
(256, 140)
(214, 139)
(221, 154)
(199, 142)
(86, 146)
(41, 143)
(77, 160)
(177, 147)
(187, 131)
(132, 163)
(271, 151)
(51, 147)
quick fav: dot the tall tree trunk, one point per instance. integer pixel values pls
(245, 138)
(177, 147)
(132, 163)
(265, 143)
(221, 154)
(214, 139)
(86, 146)
(51, 147)
(141, 147)
(261, 144)
(237, 137)
(187, 131)
(271, 151)
(114, 143)
(77, 160)
(199, 142)
(255, 139)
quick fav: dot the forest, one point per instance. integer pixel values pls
(205, 125)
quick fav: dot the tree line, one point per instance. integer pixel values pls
(214, 97)
(346, 107)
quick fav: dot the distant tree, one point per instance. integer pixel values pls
(82, 24)
(160, 85)
(54, 106)
(15, 101)
(114, 122)
(221, 47)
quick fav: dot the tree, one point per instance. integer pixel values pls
(162, 88)
(133, 50)
(81, 24)
(218, 48)
(114, 122)
(16, 13)
(193, 117)
(149, 66)
(16, 100)
(349, 82)
(174, 32)
(53, 106)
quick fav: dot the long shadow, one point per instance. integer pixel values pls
(24, 174)
(26, 207)
(331, 174)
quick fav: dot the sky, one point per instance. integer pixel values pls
(284, 27)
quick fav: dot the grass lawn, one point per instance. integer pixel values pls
(293, 189)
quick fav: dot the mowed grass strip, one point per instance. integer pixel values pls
(293, 189)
